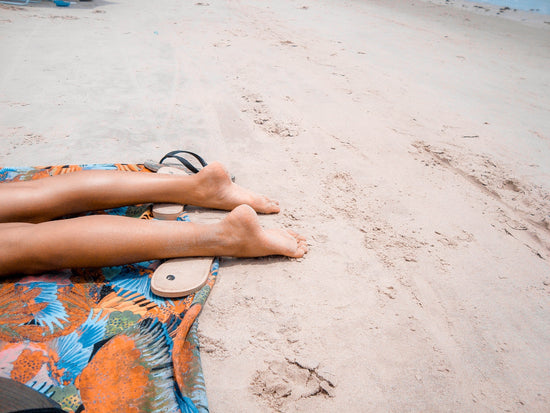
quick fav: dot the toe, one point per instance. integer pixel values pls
(296, 235)
(270, 206)
(300, 247)
(301, 250)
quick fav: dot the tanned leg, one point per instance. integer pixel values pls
(53, 197)
(104, 240)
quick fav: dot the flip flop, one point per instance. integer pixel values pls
(178, 277)
(184, 163)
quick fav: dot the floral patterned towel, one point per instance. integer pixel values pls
(98, 340)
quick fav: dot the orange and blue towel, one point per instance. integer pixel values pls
(98, 340)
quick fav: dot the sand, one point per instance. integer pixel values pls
(409, 141)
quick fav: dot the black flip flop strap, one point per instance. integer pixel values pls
(185, 162)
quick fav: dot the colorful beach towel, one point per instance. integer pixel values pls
(98, 340)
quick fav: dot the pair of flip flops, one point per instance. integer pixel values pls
(178, 277)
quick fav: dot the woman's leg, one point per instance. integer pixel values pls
(105, 240)
(49, 198)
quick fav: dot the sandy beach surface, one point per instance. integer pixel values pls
(408, 140)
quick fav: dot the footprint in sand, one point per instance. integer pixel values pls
(284, 382)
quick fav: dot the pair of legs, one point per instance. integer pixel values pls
(32, 243)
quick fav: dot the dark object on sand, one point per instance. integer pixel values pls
(18, 398)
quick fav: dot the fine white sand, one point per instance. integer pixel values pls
(408, 140)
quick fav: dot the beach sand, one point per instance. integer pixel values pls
(409, 141)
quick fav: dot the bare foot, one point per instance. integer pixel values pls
(244, 237)
(219, 192)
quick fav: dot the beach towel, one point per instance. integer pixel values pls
(98, 340)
